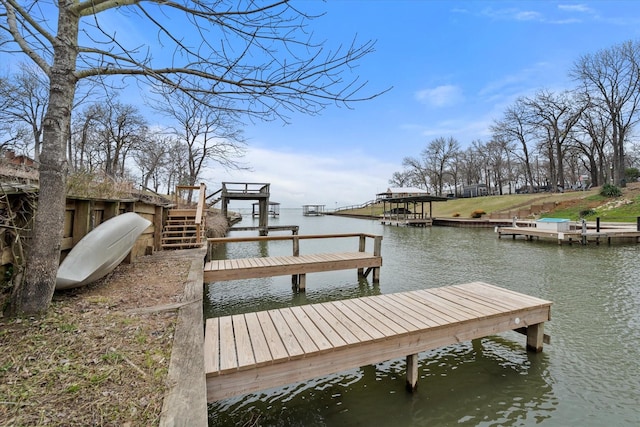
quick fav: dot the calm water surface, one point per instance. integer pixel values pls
(588, 376)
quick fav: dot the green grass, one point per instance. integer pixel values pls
(581, 203)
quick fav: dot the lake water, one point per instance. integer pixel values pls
(588, 376)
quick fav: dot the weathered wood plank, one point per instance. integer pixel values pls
(301, 335)
(294, 349)
(352, 322)
(321, 342)
(261, 351)
(244, 351)
(228, 359)
(272, 337)
(336, 325)
(211, 346)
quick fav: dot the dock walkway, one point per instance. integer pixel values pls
(295, 265)
(249, 352)
(573, 236)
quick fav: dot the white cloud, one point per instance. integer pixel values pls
(575, 8)
(441, 96)
(336, 179)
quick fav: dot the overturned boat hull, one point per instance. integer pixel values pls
(100, 251)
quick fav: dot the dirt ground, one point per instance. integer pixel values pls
(95, 358)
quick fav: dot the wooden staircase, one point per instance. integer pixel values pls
(181, 231)
(185, 227)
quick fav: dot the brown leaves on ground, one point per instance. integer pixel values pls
(91, 360)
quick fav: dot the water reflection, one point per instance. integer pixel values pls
(457, 386)
(242, 296)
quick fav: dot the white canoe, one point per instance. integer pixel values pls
(100, 251)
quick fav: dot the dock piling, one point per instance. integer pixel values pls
(412, 372)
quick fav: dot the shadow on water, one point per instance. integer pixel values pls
(223, 298)
(457, 386)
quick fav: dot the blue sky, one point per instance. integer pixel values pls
(454, 67)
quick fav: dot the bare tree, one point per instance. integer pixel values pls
(152, 157)
(592, 140)
(210, 134)
(26, 96)
(123, 129)
(176, 168)
(554, 117)
(259, 57)
(472, 163)
(515, 126)
(400, 179)
(439, 155)
(83, 150)
(11, 132)
(416, 172)
(611, 79)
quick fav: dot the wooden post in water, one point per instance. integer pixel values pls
(298, 281)
(412, 372)
(361, 248)
(263, 219)
(377, 250)
(535, 337)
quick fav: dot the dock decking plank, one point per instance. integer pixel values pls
(228, 359)
(272, 337)
(316, 335)
(427, 315)
(386, 326)
(211, 343)
(342, 314)
(344, 332)
(294, 349)
(244, 350)
(261, 351)
(405, 323)
(301, 334)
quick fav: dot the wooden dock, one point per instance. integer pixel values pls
(249, 352)
(573, 236)
(406, 222)
(296, 265)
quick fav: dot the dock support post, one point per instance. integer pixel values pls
(535, 337)
(263, 219)
(412, 372)
(299, 282)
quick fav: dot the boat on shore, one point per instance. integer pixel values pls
(100, 251)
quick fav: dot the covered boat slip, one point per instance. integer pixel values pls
(249, 352)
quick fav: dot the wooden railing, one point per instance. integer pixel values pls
(353, 207)
(295, 239)
(200, 205)
(245, 187)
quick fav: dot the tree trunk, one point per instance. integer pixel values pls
(33, 295)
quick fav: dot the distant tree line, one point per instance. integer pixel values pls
(549, 141)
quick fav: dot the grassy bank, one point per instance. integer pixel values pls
(572, 205)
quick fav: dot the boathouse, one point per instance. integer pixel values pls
(409, 209)
(313, 210)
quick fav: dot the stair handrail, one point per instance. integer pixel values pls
(201, 201)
